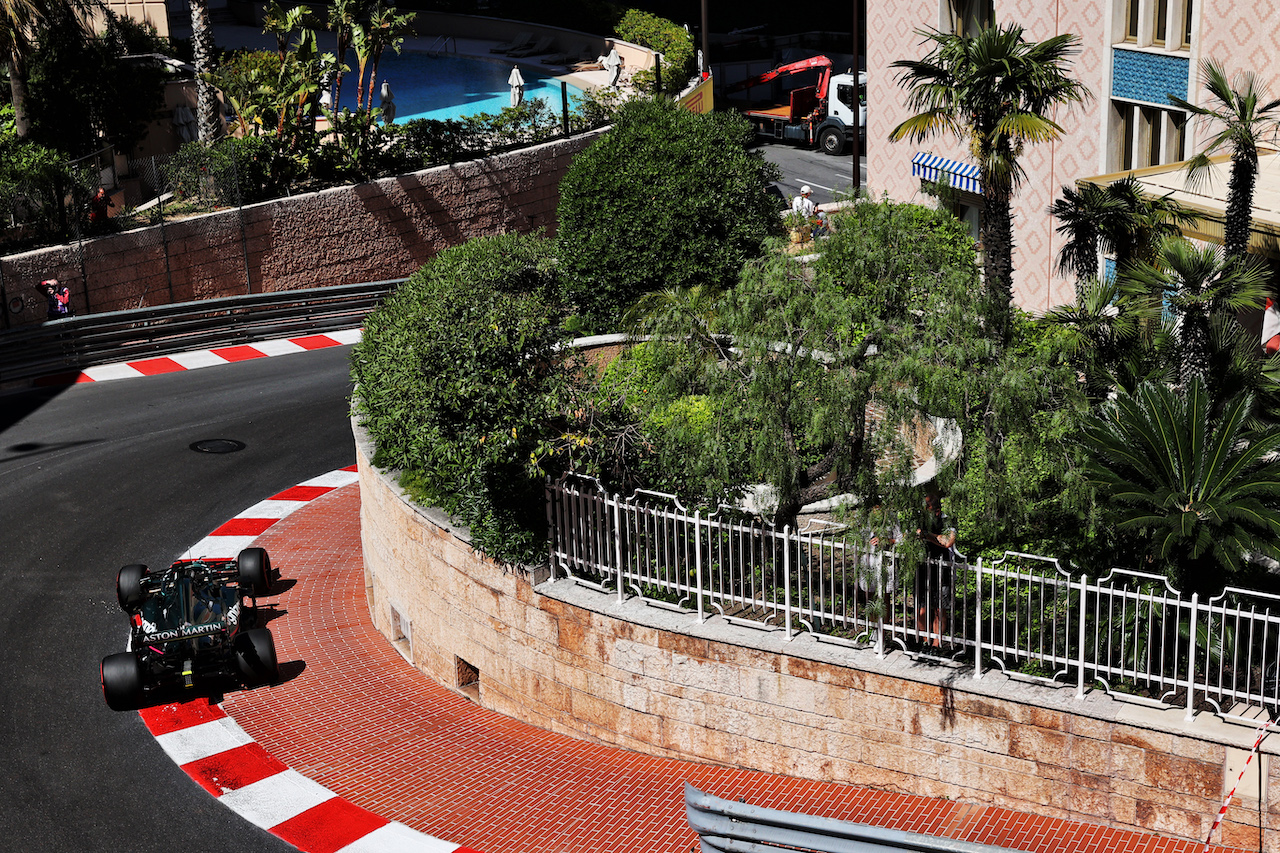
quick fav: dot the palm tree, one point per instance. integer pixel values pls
(343, 15)
(998, 91)
(1101, 339)
(386, 29)
(203, 49)
(1146, 223)
(1203, 488)
(1197, 284)
(1244, 125)
(1084, 217)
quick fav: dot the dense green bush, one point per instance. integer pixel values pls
(668, 198)
(668, 39)
(458, 380)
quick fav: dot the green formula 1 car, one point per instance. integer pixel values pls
(191, 623)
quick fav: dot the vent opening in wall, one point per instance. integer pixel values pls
(468, 678)
(401, 634)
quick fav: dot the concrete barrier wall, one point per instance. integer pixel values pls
(366, 232)
(572, 660)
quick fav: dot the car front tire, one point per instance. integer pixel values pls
(129, 591)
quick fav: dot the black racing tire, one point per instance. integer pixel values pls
(831, 141)
(122, 681)
(255, 570)
(256, 657)
(129, 591)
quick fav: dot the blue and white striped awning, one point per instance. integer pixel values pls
(962, 176)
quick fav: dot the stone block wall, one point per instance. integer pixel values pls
(576, 661)
(366, 232)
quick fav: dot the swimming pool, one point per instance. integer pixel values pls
(443, 87)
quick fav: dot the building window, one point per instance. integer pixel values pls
(1159, 23)
(1161, 28)
(1124, 131)
(1178, 130)
(1148, 136)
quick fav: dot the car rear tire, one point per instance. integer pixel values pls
(255, 570)
(122, 681)
(129, 591)
(256, 657)
(831, 141)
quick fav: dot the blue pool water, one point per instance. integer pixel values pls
(443, 87)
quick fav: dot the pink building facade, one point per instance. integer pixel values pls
(1132, 54)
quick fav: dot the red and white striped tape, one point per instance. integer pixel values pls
(224, 760)
(1222, 812)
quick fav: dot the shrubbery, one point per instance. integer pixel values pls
(457, 381)
(666, 199)
(668, 39)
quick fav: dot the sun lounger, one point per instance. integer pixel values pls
(546, 44)
(568, 58)
(521, 40)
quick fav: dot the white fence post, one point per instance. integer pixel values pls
(697, 556)
(1191, 656)
(977, 625)
(617, 549)
(786, 576)
(1084, 610)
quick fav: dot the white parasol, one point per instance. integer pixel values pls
(516, 82)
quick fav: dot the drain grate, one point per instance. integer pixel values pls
(217, 445)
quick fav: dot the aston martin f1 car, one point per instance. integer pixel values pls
(192, 623)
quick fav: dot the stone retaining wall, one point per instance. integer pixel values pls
(366, 232)
(572, 660)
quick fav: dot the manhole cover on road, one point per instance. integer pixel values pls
(218, 445)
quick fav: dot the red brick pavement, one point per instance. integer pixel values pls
(357, 718)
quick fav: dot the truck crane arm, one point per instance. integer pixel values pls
(785, 70)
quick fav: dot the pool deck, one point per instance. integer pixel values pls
(241, 36)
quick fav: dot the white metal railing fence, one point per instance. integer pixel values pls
(1130, 632)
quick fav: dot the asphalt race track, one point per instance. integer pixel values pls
(95, 476)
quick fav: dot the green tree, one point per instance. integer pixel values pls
(1196, 283)
(1246, 119)
(458, 378)
(20, 20)
(83, 89)
(997, 91)
(1102, 339)
(1199, 491)
(668, 198)
(791, 358)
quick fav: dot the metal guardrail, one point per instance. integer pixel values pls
(733, 827)
(71, 344)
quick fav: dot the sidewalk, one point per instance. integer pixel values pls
(355, 717)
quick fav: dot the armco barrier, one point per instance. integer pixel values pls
(74, 343)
